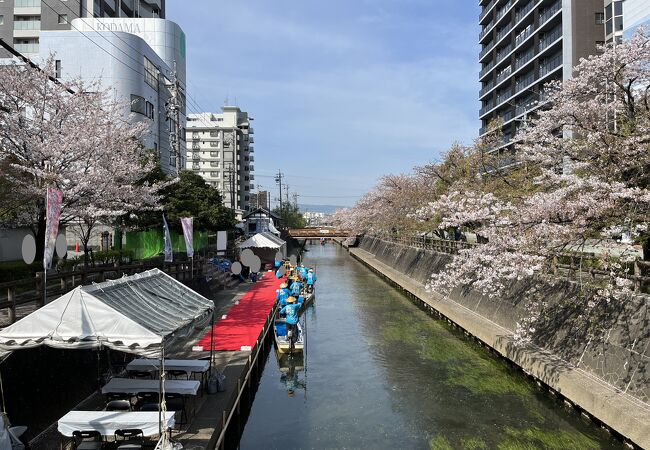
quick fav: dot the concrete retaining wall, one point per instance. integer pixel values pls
(600, 362)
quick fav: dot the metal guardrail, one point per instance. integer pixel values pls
(570, 265)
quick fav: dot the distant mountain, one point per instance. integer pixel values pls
(327, 209)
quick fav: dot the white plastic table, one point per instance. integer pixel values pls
(188, 365)
(135, 385)
(106, 422)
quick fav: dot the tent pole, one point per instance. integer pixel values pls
(211, 342)
(161, 388)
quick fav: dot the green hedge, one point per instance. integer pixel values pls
(150, 243)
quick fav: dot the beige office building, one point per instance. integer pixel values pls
(524, 45)
(220, 149)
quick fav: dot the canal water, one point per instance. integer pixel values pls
(380, 373)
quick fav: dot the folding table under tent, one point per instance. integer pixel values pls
(140, 314)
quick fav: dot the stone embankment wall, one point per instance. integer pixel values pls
(598, 360)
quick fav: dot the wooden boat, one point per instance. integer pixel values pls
(309, 299)
(281, 340)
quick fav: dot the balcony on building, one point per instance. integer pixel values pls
(27, 7)
(27, 26)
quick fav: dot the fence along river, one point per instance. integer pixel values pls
(380, 373)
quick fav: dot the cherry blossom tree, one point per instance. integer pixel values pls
(581, 175)
(72, 136)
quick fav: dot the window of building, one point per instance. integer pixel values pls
(608, 11)
(2, 19)
(138, 104)
(214, 163)
(149, 110)
(57, 68)
(214, 174)
(63, 19)
(214, 134)
(600, 18)
(150, 73)
(618, 8)
(618, 23)
(214, 144)
(608, 27)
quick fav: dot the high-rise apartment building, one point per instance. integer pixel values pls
(524, 45)
(220, 149)
(21, 21)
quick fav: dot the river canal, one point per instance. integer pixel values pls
(380, 373)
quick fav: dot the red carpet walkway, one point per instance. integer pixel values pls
(244, 322)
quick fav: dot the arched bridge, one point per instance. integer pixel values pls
(317, 233)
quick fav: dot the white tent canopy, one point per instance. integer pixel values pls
(134, 314)
(263, 240)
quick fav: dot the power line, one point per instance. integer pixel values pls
(194, 104)
(32, 64)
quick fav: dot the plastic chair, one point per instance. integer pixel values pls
(142, 374)
(87, 440)
(176, 374)
(129, 439)
(148, 397)
(118, 405)
(150, 407)
(176, 402)
(117, 396)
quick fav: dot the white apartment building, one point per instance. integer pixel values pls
(135, 62)
(220, 149)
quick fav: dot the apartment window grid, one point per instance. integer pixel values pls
(524, 81)
(150, 73)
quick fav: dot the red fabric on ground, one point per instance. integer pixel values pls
(244, 322)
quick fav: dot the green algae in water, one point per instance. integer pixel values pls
(469, 366)
(474, 443)
(440, 443)
(534, 438)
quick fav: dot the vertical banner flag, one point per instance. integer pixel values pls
(169, 252)
(53, 213)
(188, 233)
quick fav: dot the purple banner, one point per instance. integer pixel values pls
(188, 233)
(53, 213)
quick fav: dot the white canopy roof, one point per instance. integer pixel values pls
(263, 240)
(134, 314)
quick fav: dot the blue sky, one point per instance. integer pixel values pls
(342, 91)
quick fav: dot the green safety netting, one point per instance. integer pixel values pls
(150, 243)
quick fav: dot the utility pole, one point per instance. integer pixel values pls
(174, 116)
(278, 179)
(231, 185)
